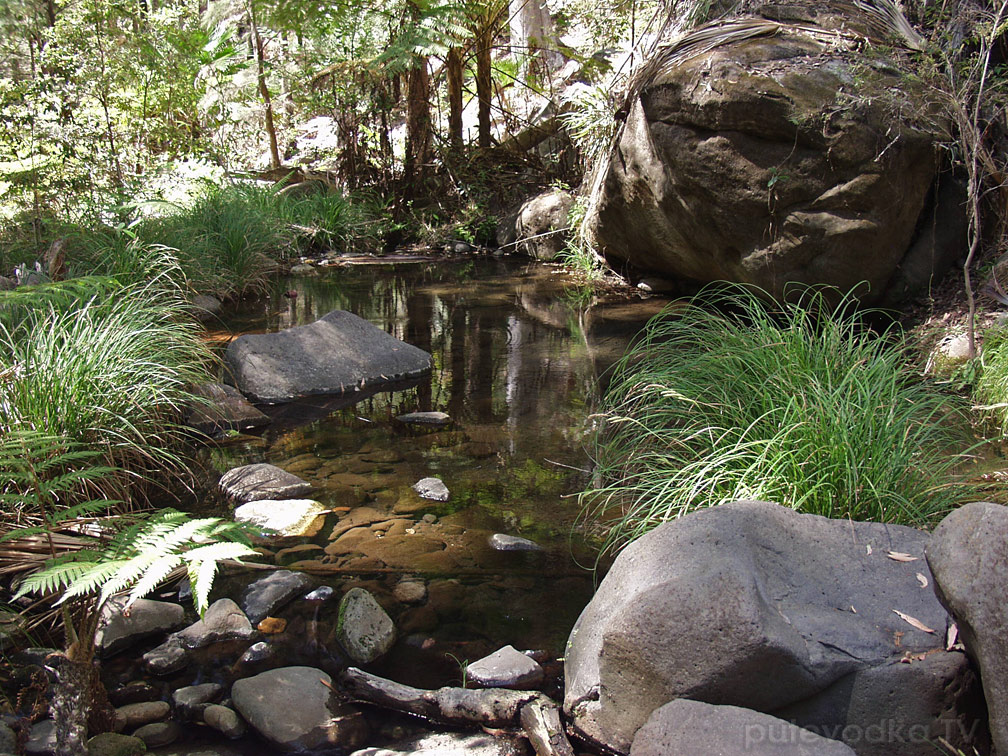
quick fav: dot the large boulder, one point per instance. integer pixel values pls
(118, 630)
(292, 708)
(767, 153)
(968, 555)
(753, 605)
(337, 354)
(699, 729)
(542, 226)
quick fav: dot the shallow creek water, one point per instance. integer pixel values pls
(519, 353)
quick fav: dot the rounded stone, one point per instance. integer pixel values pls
(157, 734)
(224, 720)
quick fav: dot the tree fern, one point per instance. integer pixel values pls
(141, 555)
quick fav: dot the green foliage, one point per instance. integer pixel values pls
(140, 554)
(728, 398)
(579, 252)
(112, 373)
(991, 387)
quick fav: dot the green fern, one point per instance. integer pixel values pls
(140, 556)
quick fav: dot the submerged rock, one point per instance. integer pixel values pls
(192, 699)
(291, 707)
(450, 744)
(262, 481)
(157, 734)
(205, 307)
(41, 739)
(337, 354)
(968, 555)
(166, 659)
(287, 517)
(224, 409)
(754, 605)
(433, 489)
(135, 715)
(502, 542)
(506, 668)
(363, 629)
(114, 744)
(699, 729)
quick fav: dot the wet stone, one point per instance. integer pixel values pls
(224, 720)
(114, 744)
(268, 594)
(262, 481)
(190, 700)
(506, 668)
(158, 734)
(41, 738)
(433, 489)
(224, 408)
(502, 542)
(288, 517)
(272, 625)
(166, 659)
(138, 691)
(8, 741)
(135, 715)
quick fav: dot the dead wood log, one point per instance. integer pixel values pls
(493, 708)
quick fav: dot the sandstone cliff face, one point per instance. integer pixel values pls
(788, 156)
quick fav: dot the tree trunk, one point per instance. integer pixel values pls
(484, 82)
(453, 68)
(418, 126)
(263, 89)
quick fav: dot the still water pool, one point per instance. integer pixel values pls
(519, 354)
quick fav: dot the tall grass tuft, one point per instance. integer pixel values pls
(991, 390)
(111, 373)
(730, 398)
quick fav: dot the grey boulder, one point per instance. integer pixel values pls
(968, 556)
(753, 605)
(117, 631)
(291, 708)
(432, 489)
(262, 481)
(699, 729)
(268, 594)
(337, 354)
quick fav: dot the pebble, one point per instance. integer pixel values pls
(135, 715)
(322, 593)
(158, 734)
(189, 701)
(224, 720)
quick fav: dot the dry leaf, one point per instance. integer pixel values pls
(951, 636)
(922, 580)
(899, 556)
(913, 621)
(869, 549)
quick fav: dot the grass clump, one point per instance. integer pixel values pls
(730, 398)
(111, 373)
(991, 387)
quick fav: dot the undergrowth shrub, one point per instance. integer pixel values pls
(111, 373)
(730, 398)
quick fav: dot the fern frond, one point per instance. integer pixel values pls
(153, 576)
(218, 552)
(57, 575)
(91, 580)
(201, 577)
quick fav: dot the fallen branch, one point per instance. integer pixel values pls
(495, 708)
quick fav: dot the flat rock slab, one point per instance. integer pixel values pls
(290, 707)
(506, 668)
(262, 481)
(363, 629)
(337, 354)
(287, 517)
(968, 555)
(147, 618)
(699, 729)
(432, 489)
(754, 605)
(268, 594)
(224, 408)
(434, 419)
